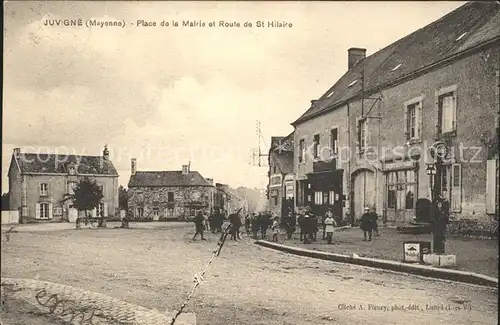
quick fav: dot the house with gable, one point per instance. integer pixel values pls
(368, 136)
(163, 195)
(40, 185)
(281, 178)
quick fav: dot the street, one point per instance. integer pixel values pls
(246, 284)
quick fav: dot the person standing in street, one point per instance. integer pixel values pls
(255, 224)
(301, 222)
(367, 224)
(264, 224)
(276, 229)
(198, 222)
(247, 224)
(308, 226)
(329, 226)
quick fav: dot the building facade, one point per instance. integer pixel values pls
(40, 185)
(281, 186)
(163, 195)
(440, 83)
(227, 201)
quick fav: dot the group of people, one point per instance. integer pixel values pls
(309, 224)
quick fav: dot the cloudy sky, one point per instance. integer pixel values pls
(168, 95)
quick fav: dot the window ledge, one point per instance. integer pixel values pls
(414, 141)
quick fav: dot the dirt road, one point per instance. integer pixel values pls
(246, 284)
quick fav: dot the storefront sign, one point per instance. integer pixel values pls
(400, 164)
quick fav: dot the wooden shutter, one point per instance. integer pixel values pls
(491, 185)
(51, 211)
(37, 210)
(419, 125)
(407, 129)
(105, 208)
(456, 188)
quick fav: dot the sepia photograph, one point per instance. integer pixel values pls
(250, 162)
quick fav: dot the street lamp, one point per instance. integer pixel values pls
(438, 151)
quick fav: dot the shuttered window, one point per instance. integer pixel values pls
(43, 211)
(318, 198)
(448, 112)
(492, 187)
(301, 150)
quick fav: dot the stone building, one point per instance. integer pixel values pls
(40, 184)
(281, 178)
(439, 83)
(162, 195)
(227, 201)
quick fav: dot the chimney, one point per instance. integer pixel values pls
(17, 152)
(105, 153)
(185, 169)
(133, 166)
(210, 180)
(354, 55)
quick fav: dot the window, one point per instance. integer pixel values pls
(334, 141)
(170, 197)
(275, 200)
(156, 212)
(316, 146)
(318, 198)
(362, 134)
(325, 198)
(447, 112)
(139, 212)
(72, 170)
(331, 197)
(451, 186)
(274, 169)
(401, 189)
(169, 212)
(412, 131)
(301, 150)
(44, 189)
(99, 210)
(44, 211)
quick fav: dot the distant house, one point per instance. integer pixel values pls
(161, 195)
(40, 184)
(281, 185)
(227, 201)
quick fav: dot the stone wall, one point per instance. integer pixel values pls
(155, 204)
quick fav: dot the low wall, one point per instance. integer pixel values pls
(10, 217)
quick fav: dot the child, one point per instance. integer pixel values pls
(276, 230)
(329, 226)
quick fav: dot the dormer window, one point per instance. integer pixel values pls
(352, 83)
(460, 37)
(397, 67)
(330, 94)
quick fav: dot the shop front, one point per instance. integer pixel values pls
(401, 191)
(323, 190)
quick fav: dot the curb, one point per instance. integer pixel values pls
(70, 302)
(423, 270)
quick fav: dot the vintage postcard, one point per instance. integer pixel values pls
(250, 162)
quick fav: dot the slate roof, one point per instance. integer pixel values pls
(58, 164)
(464, 28)
(167, 179)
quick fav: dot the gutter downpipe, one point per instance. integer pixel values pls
(349, 185)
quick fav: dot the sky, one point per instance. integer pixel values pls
(170, 95)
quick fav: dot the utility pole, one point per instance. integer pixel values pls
(257, 152)
(439, 211)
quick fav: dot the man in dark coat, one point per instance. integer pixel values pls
(301, 221)
(264, 224)
(247, 223)
(235, 221)
(367, 224)
(290, 225)
(198, 222)
(255, 224)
